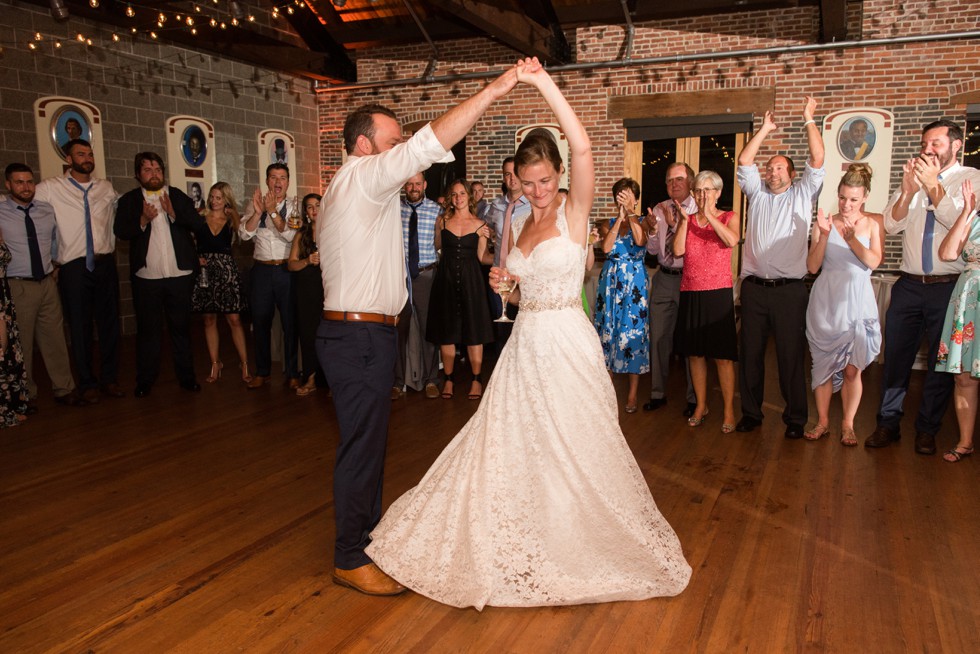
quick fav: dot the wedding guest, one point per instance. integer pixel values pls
(458, 311)
(304, 264)
(958, 353)
(621, 301)
(922, 210)
(13, 376)
(842, 318)
(159, 221)
(706, 311)
(219, 286)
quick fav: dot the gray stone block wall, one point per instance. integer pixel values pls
(138, 84)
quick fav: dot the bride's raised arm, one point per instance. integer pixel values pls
(581, 191)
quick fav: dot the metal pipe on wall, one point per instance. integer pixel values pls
(667, 59)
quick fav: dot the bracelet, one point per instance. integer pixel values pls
(810, 122)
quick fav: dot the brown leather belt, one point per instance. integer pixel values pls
(931, 279)
(271, 262)
(431, 266)
(360, 316)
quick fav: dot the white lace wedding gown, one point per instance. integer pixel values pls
(538, 500)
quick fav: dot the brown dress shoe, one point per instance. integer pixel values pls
(294, 384)
(431, 391)
(397, 393)
(258, 381)
(882, 437)
(369, 579)
(91, 396)
(925, 443)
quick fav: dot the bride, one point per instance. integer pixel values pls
(538, 500)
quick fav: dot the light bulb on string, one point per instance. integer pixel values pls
(37, 36)
(94, 4)
(130, 12)
(80, 37)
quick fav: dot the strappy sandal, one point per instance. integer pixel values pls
(847, 437)
(448, 395)
(696, 422)
(955, 455)
(727, 428)
(477, 379)
(818, 432)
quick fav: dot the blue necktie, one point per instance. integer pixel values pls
(89, 244)
(37, 266)
(413, 242)
(927, 236)
(927, 239)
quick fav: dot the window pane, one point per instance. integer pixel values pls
(718, 154)
(657, 155)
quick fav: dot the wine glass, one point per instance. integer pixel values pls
(505, 286)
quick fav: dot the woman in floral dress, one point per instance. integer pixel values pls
(621, 302)
(958, 352)
(13, 377)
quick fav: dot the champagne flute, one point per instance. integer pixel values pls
(505, 286)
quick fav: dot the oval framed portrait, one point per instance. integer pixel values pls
(856, 139)
(69, 123)
(193, 146)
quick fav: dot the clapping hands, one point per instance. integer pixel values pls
(824, 223)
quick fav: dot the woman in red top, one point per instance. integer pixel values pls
(706, 313)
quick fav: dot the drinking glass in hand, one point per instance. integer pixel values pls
(505, 286)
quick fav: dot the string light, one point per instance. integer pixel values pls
(94, 4)
(130, 12)
(80, 37)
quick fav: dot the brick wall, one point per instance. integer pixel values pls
(915, 81)
(137, 84)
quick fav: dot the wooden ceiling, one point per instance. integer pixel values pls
(323, 35)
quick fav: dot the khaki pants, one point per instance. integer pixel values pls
(39, 317)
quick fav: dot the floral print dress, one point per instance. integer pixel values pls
(958, 351)
(621, 307)
(13, 377)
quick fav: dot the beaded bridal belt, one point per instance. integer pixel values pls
(551, 305)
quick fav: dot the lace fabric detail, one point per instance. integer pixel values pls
(538, 500)
(551, 305)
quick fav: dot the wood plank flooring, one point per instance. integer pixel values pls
(204, 523)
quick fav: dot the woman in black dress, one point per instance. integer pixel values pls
(219, 286)
(458, 310)
(304, 263)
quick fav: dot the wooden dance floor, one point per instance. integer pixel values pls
(204, 523)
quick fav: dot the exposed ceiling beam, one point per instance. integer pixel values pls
(543, 11)
(233, 42)
(611, 13)
(833, 20)
(318, 40)
(511, 28)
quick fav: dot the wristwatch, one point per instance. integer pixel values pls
(274, 215)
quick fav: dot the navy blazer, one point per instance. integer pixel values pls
(187, 219)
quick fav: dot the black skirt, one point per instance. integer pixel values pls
(706, 325)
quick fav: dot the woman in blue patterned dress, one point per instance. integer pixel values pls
(621, 302)
(958, 352)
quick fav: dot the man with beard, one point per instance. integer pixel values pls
(29, 229)
(774, 297)
(265, 222)
(922, 210)
(158, 221)
(85, 207)
(419, 215)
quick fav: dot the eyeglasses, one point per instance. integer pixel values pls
(704, 190)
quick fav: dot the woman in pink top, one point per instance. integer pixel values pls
(706, 313)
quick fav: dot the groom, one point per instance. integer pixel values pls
(364, 288)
